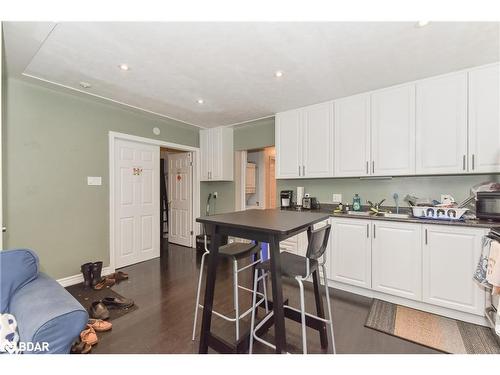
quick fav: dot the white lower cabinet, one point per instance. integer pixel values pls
(450, 256)
(431, 264)
(350, 247)
(397, 259)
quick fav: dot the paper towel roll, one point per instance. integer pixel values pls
(300, 195)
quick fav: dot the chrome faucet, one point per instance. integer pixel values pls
(375, 207)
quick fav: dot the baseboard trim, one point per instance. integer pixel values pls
(76, 279)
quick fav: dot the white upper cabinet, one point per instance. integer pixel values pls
(288, 144)
(393, 131)
(352, 136)
(397, 259)
(304, 139)
(441, 123)
(217, 155)
(317, 134)
(484, 119)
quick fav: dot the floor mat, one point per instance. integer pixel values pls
(88, 295)
(434, 331)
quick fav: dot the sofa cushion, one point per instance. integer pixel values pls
(17, 268)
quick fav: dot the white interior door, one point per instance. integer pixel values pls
(1, 172)
(179, 198)
(137, 202)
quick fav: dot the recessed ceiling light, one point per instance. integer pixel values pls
(200, 101)
(278, 74)
(85, 85)
(422, 23)
(124, 67)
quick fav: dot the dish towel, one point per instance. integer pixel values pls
(493, 268)
(482, 265)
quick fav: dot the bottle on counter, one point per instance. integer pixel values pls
(356, 203)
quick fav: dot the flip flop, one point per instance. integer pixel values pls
(80, 348)
(100, 325)
(105, 283)
(117, 302)
(88, 336)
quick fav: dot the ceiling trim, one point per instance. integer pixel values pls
(243, 123)
(110, 100)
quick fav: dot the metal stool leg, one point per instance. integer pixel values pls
(264, 287)
(197, 305)
(254, 301)
(329, 308)
(236, 302)
(303, 315)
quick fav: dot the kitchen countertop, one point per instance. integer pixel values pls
(476, 223)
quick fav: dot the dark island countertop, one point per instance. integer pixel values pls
(476, 223)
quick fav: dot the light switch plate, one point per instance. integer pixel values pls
(337, 198)
(94, 181)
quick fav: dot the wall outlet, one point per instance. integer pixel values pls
(337, 198)
(96, 181)
(215, 194)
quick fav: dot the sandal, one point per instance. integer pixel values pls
(104, 283)
(100, 325)
(80, 348)
(119, 276)
(88, 336)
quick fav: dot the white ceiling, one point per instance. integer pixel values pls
(232, 65)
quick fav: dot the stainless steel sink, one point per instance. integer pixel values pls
(359, 213)
(396, 216)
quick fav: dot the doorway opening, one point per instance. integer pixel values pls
(176, 193)
(255, 179)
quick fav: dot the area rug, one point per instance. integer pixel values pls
(434, 331)
(88, 295)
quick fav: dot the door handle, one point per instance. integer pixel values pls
(4, 229)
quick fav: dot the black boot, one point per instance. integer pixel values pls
(96, 273)
(87, 274)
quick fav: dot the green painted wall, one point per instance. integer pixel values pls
(52, 141)
(253, 135)
(376, 190)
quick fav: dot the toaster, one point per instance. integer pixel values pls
(310, 203)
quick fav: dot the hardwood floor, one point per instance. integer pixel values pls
(164, 289)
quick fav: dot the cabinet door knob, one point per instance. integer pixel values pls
(374, 231)
(4, 229)
(367, 230)
(367, 171)
(299, 170)
(373, 166)
(463, 162)
(426, 237)
(472, 161)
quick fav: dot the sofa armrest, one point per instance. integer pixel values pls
(46, 312)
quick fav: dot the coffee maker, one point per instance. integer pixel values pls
(286, 198)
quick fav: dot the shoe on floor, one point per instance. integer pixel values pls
(88, 336)
(100, 325)
(117, 302)
(104, 283)
(118, 276)
(80, 348)
(98, 310)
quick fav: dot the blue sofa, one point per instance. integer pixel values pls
(44, 310)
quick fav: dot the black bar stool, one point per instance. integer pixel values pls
(234, 251)
(298, 268)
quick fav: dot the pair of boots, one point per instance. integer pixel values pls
(91, 274)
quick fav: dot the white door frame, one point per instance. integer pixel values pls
(112, 137)
(1, 170)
